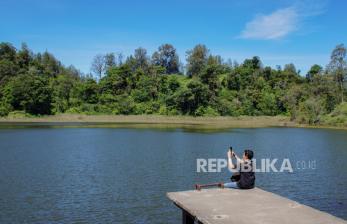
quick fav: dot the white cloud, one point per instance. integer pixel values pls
(273, 26)
(282, 22)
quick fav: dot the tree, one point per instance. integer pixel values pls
(214, 60)
(117, 80)
(197, 60)
(30, 93)
(253, 63)
(147, 89)
(286, 77)
(166, 57)
(209, 76)
(313, 72)
(141, 59)
(233, 81)
(193, 97)
(110, 61)
(51, 66)
(7, 69)
(173, 83)
(290, 68)
(40, 84)
(89, 91)
(98, 65)
(24, 57)
(120, 58)
(7, 51)
(267, 103)
(61, 92)
(338, 67)
(8, 62)
(73, 72)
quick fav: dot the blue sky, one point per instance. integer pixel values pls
(280, 32)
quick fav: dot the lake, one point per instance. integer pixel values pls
(121, 175)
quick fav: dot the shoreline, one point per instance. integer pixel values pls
(159, 121)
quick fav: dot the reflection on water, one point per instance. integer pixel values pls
(121, 175)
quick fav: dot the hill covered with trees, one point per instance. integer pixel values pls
(38, 83)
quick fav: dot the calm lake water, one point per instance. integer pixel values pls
(121, 175)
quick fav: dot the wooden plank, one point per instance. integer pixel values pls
(255, 206)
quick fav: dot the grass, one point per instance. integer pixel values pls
(159, 121)
(211, 122)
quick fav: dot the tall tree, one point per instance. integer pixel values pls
(110, 61)
(51, 65)
(290, 74)
(8, 62)
(120, 57)
(214, 60)
(254, 63)
(166, 57)
(98, 65)
(141, 58)
(197, 60)
(338, 67)
(24, 57)
(313, 72)
(7, 51)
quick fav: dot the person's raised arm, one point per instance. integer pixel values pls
(230, 161)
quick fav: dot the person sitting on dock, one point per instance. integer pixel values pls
(245, 179)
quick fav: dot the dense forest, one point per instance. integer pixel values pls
(38, 84)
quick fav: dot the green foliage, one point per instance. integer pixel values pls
(30, 93)
(39, 84)
(61, 94)
(310, 111)
(338, 67)
(315, 71)
(338, 117)
(173, 83)
(19, 114)
(5, 109)
(192, 97)
(206, 111)
(167, 58)
(151, 107)
(197, 60)
(267, 104)
(88, 91)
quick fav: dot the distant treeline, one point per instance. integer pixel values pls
(39, 84)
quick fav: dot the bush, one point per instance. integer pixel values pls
(147, 107)
(310, 111)
(206, 111)
(126, 106)
(5, 109)
(338, 117)
(18, 114)
(228, 108)
(59, 106)
(164, 110)
(340, 110)
(74, 110)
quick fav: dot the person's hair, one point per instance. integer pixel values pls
(249, 153)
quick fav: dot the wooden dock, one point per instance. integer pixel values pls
(256, 206)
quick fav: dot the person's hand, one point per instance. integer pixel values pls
(230, 154)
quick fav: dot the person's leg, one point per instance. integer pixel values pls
(231, 185)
